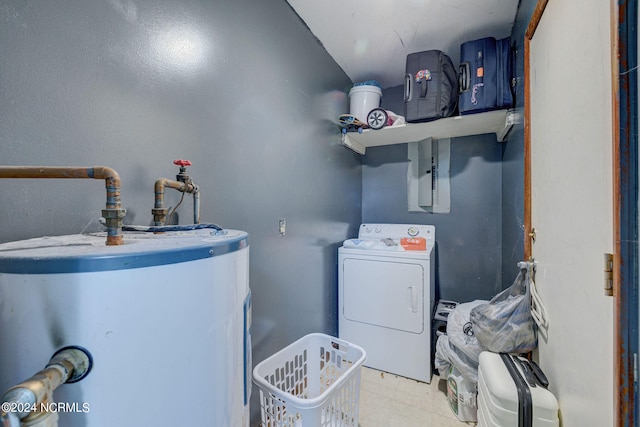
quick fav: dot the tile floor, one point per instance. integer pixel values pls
(387, 400)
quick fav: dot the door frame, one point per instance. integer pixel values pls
(528, 35)
(625, 95)
(625, 204)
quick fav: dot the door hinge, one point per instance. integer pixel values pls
(635, 367)
(608, 274)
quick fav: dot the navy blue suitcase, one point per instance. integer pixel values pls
(486, 74)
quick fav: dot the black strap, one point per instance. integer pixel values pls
(527, 371)
(542, 378)
(525, 407)
(423, 87)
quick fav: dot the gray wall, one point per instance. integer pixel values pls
(239, 87)
(469, 239)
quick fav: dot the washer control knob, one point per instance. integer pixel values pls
(367, 229)
(413, 231)
(378, 230)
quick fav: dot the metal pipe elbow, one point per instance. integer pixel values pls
(159, 211)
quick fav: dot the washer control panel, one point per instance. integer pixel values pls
(397, 231)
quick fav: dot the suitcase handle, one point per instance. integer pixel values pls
(542, 378)
(407, 87)
(527, 370)
(464, 78)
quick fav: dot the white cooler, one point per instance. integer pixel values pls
(512, 392)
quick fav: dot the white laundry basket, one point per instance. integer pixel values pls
(314, 382)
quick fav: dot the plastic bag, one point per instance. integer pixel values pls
(448, 355)
(459, 347)
(505, 325)
(442, 361)
(460, 330)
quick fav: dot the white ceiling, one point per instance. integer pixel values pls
(370, 39)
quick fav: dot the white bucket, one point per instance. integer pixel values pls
(363, 99)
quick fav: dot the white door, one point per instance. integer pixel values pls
(572, 203)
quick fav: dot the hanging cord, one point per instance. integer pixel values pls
(176, 207)
(538, 310)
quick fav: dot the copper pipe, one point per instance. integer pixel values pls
(159, 211)
(113, 212)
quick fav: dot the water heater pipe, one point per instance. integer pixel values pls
(29, 403)
(160, 212)
(113, 212)
(183, 183)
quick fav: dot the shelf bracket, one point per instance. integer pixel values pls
(510, 120)
(352, 144)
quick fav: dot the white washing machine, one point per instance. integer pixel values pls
(385, 297)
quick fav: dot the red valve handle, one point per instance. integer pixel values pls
(181, 162)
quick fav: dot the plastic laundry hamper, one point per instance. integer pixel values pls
(314, 382)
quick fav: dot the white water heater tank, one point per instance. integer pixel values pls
(165, 318)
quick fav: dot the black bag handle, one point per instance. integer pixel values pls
(407, 87)
(464, 77)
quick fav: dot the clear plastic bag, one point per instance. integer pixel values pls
(459, 347)
(460, 330)
(448, 355)
(505, 325)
